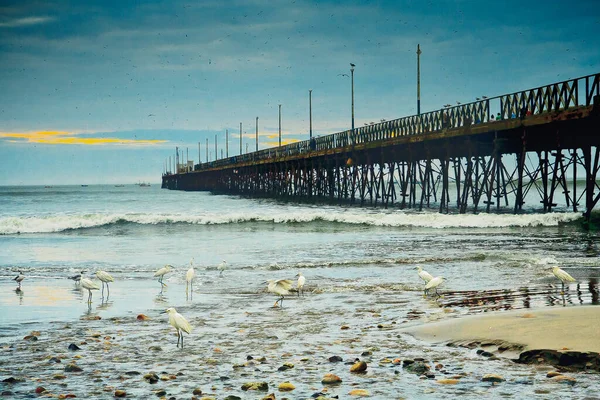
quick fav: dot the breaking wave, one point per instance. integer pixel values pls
(66, 222)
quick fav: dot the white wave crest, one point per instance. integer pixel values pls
(63, 222)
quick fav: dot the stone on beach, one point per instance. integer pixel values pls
(331, 379)
(358, 366)
(263, 386)
(494, 378)
(286, 387)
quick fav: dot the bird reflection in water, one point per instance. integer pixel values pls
(20, 293)
(161, 297)
(105, 305)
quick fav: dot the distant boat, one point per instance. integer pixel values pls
(84, 185)
(143, 184)
(47, 187)
(119, 185)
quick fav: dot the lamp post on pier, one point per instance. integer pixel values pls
(418, 79)
(310, 112)
(352, 79)
(280, 125)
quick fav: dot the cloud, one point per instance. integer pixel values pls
(60, 137)
(27, 21)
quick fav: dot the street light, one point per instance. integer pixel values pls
(352, 78)
(310, 112)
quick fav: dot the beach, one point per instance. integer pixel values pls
(363, 300)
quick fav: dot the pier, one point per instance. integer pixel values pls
(485, 156)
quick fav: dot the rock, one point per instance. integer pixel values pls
(31, 338)
(40, 390)
(263, 386)
(54, 360)
(564, 379)
(366, 353)
(359, 392)
(142, 317)
(270, 396)
(438, 367)
(10, 380)
(197, 392)
(151, 378)
(132, 373)
(417, 367)
(429, 375)
(344, 327)
(286, 387)
(59, 376)
(120, 393)
(358, 366)
(492, 378)
(552, 374)
(331, 379)
(447, 381)
(397, 361)
(335, 359)
(155, 348)
(73, 368)
(286, 366)
(160, 392)
(232, 397)
(407, 362)
(74, 347)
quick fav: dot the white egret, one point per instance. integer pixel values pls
(178, 322)
(434, 284)
(222, 267)
(77, 277)
(426, 276)
(280, 288)
(89, 285)
(104, 277)
(563, 276)
(161, 273)
(189, 276)
(301, 282)
(19, 278)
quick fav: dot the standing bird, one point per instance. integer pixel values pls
(279, 288)
(426, 276)
(222, 267)
(178, 322)
(104, 277)
(161, 273)
(301, 282)
(77, 278)
(563, 276)
(434, 284)
(89, 285)
(189, 276)
(19, 278)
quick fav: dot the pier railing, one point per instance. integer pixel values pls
(554, 97)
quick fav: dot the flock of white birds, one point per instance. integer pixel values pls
(280, 288)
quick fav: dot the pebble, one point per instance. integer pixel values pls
(74, 347)
(270, 396)
(197, 392)
(359, 366)
(142, 317)
(564, 379)
(494, 378)
(286, 366)
(232, 397)
(40, 389)
(359, 392)
(286, 387)
(552, 374)
(263, 386)
(54, 360)
(331, 379)
(335, 359)
(120, 393)
(447, 381)
(73, 368)
(151, 378)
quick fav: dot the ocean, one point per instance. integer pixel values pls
(360, 265)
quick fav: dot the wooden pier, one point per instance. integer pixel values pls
(488, 155)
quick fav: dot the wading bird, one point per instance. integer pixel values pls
(279, 288)
(434, 284)
(104, 277)
(178, 322)
(89, 285)
(301, 282)
(222, 267)
(563, 276)
(19, 278)
(189, 276)
(426, 276)
(161, 273)
(77, 278)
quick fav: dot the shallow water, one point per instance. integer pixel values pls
(360, 270)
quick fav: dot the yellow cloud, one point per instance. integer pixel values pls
(59, 137)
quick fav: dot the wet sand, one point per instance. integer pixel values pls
(560, 329)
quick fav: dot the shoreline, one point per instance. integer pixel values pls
(555, 336)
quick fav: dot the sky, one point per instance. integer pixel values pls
(102, 91)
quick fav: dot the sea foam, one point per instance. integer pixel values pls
(383, 218)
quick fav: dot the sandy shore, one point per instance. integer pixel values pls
(560, 329)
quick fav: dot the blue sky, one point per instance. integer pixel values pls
(119, 84)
